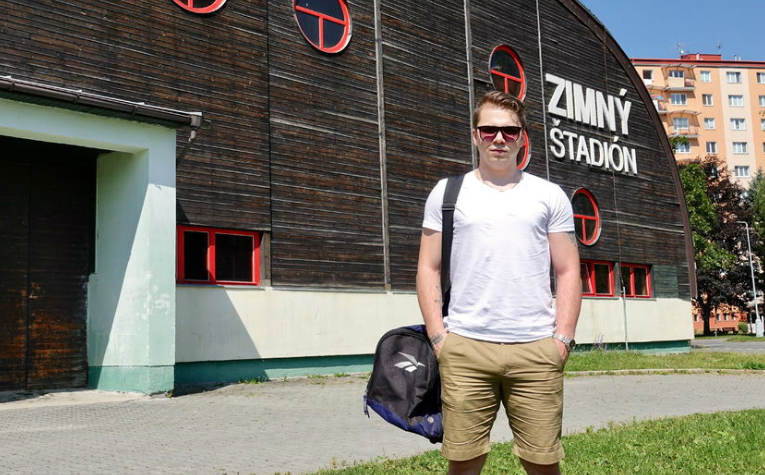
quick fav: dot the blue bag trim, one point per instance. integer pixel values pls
(429, 426)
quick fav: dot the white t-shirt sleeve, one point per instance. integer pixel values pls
(433, 215)
(561, 213)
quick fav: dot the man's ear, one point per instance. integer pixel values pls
(475, 137)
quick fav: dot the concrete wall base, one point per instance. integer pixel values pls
(265, 369)
(139, 379)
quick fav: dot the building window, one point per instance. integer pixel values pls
(507, 72)
(325, 24)
(678, 99)
(762, 124)
(676, 73)
(736, 101)
(733, 77)
(680, 123)
(648, 74)
(760, 78)
(200, 6)
(597, 278)
(682, 148)
(712, 147)
(741, 171)
(636, 279)
(740, 148)
(707, 99)
(217, 256)
(762, 101)
(737, 124)
(586, 217)
(706, 76)
(709, 123)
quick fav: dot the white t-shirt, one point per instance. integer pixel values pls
(500, 263)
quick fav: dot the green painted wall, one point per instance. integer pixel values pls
(131, 295)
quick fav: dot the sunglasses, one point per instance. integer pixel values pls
(488, 132)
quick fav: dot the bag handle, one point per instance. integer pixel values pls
(453, 186)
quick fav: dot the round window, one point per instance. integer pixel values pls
(506, 72)
(586, 217)
(200, 6)
(325, 24)
(524, 154)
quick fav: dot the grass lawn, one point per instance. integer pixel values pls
(597, 360)
(724, 443)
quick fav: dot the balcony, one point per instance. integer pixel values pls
(691, 132)
(681, 84)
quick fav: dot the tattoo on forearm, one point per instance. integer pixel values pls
(437, 339)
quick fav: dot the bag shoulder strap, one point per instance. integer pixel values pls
(453, 186)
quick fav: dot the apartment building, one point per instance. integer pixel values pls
(719, 105)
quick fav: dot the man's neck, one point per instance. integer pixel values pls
(501, 180)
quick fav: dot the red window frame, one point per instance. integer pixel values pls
(584, 239)
(210, 258)
(525, 152)
(507, 78)
(587, 270)
(188, 5)
(629, 287)
(345, 22)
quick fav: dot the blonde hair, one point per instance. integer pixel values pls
(504, 101)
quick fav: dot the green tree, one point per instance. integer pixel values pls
(715, 204)
(757, 197)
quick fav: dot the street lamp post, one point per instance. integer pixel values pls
(758, 321)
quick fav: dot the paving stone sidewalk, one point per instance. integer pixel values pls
(297, 426)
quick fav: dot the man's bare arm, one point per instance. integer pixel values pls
(568, 300)
(429, 286)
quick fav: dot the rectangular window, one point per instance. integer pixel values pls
(741, 172)
(648, 74)
(683, 148)
(733, 77)
(708, 99)
(709, 123)
(680, 123)
(706, 76)
(736, 101)
(762, 101)
(679, 99)
(712, 147)
(597, 278)
(218, 256)
(740, 148)
(676, 74)
(636, 279)
(760, 78)
(738, 124)
(762, 124)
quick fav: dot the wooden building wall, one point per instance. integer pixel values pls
(291, 143)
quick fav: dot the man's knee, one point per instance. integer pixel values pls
(467, 467)
(537, 469)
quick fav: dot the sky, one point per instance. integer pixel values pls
(655, 28)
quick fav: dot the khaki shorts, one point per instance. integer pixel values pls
(526, 377)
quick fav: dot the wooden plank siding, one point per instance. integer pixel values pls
(427, 116)
(291, 139)
(157, 53)
(325, 160)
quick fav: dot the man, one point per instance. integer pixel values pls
(502, 339)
